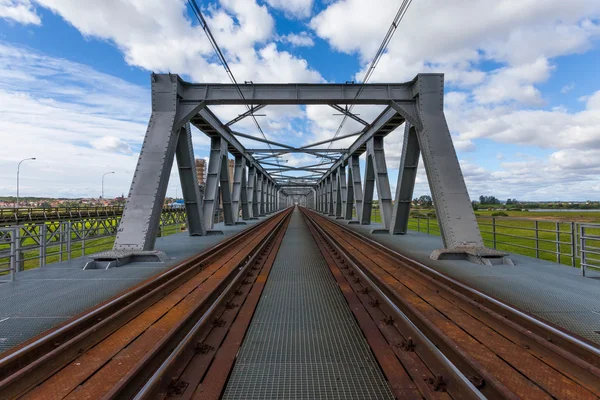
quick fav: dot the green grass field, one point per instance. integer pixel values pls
(517, 232)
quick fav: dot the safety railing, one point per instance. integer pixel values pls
(589, 246)
(36, 245)
(21, 215)
(557, 241)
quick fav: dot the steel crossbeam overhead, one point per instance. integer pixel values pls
(296, 150)
(298, 94)
(248, 113)
(336, 183)
(345, 111)
(244, 135)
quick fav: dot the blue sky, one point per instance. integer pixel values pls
(522, 87)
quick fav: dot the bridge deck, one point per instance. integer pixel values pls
(44, 297)
(304, 342)
(554, 292)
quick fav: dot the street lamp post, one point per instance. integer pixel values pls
(106, 173)
(18, 170)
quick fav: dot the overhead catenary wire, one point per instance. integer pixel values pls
(213, 42)
(382, 48)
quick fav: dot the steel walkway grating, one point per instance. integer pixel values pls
(303, 342)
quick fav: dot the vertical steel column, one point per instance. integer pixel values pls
(218, 152)
(267, 196)
(335, 191)
(343, 191)
(375, 148)
(188, 177)
(261, 198)
(367, 205)
(244, 195)
(355, 195)
(226, 190)
(407, 175)
(238, 168)
(330, 209)
(454, 211)
(252, 195)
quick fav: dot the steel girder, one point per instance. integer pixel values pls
(420, 102)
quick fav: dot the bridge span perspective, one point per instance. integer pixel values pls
(279, 283)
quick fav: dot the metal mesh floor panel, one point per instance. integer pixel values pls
(303, 342)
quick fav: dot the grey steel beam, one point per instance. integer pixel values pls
(139, 225)
(184, 154)
(367, 205)
(375, 151)
(262, 140)
(330, 209)
(225, 189)
(303, 93)
(335, 194)
(252, 192)
(239, 168)
(355, 194)
(218, 152)
(343, 190)
(454, 211)
(407, 175)
(330, 140)
(385, 123)
(296, 150)
(261, 194)
(346, 112)
(246, 212)
(208, 123)
(251, 111)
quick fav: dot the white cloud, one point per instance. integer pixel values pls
(567, 88)
(458, 37)
(21, 11)
(159, 35)
(515, 83)
(295, 8)
(302, 39)
(111, 144)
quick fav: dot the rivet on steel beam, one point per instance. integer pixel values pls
(388, 320)
(365, 290)
(374, 303)
(230, 305)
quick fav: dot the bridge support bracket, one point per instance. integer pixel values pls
(118, 258)
(475, 254)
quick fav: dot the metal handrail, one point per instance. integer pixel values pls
(567, 239)
(57, 240)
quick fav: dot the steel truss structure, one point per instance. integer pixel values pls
(334, 186)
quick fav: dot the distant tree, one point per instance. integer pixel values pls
(488, 200)
(425, 201)
(475, 205)
(45, 204)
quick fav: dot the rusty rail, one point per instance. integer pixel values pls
(504, 352)
(39, 359)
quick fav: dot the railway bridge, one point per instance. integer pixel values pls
(298, 293)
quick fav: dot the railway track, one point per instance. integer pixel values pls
(177, 335)
(134, 344)
(437, 338)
